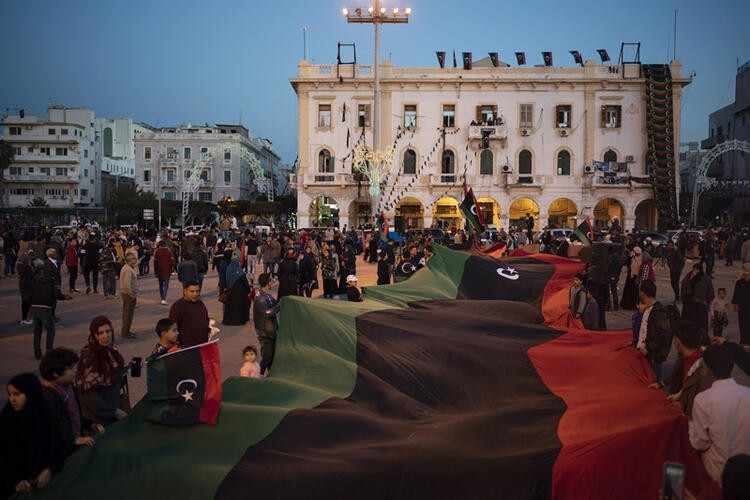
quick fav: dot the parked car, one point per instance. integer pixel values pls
(675, 235)
(564, 232)
(656, 238)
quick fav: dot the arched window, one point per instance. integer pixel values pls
(486, 160)
(610, 155)
(448, 167)
(410, 162)
(325, 162)
(563, 162)
(107, 141)
(524, 167)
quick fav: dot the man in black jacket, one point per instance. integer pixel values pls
(655, 334)
(44, 296)
(265, 308)
(90, 262)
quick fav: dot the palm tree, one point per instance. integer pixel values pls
(6, 158)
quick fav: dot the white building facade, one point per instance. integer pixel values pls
(55, 159)
(524, 139)
(166, 158)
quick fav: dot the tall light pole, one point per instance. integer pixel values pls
(377, 15)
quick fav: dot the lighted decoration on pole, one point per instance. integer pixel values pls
(373, 165)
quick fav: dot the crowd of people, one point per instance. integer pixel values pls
(84, 391)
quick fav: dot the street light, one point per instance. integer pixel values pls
(377, 16)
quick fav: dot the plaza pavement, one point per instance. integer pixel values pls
(16, 351)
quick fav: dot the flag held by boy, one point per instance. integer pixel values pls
(185, 386)
(584, 232)
(470, 208)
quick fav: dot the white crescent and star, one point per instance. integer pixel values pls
(508, 273)
(187, 395)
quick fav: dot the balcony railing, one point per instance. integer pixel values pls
(323, 178)
(496, 132)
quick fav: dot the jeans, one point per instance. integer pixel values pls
(611, 294)
(87, 272)
(110, 282)
(72, 276)
(10, 261)
(267, 351)
(42, 317)
(25, 306)
(252, 264)
(128, 308)
(200, 280)
(330, 288)
(268, 267)
(163, 288)
(143, 265)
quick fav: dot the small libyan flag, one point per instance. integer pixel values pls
(470, 209)
(185, 386)
(584, 232)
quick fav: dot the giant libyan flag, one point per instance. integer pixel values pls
(462, 382)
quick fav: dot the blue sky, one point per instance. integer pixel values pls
(167, 62)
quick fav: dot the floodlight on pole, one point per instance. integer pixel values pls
(377, 15)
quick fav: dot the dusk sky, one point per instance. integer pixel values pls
(167, 62)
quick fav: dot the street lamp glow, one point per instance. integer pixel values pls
(395, 10)
(345, 11)
(370, 9)
(407, 11)
(382, 10)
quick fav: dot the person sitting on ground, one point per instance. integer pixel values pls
(251, 368)
(166, 330)
(353, 293)
(689, 378)
(31, 446)
(100, 374)
(591, 312)
(58, 369)
(719, 426)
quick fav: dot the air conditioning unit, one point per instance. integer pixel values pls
(588, 169)
(630, 159)
(563, 133)
(506, 169)
(29, 127)
(524, 132)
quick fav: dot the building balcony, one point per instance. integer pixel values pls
(495, 132)
(324, 179)
(172, 159)
(712, 141)
(443, 179)
(42, 178)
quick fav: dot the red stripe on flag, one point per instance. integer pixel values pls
(212, 373)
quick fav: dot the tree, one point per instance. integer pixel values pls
(6, 158)
(128, 203)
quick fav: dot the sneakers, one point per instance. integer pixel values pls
(163, 302)
(26, 322)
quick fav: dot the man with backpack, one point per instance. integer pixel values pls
(655, 333)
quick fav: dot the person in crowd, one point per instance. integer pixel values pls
(44, 296)
(655, 332)
(129, 290)
(715, 428)
(52, 270)
(390, 252)
(221, 269)
(741, 303)
(577, 296)
(697, 292)
(308, 272)
(330, 270)
(636, 319)
(251, 249)
(630, 290)
(25, 286)
(590, 314)
(187, 270)
(265, 309)
(675, 262)
(236, 307)
(191, 316)
(688, 376)
(144, 260)
(288, 276)
(718, 312)
(730, 248)
(646, 272)
(348, 261)
(90, 262)
(353, 293)
(614, 269)
(267, 255)
(71, 262)
(31, 445)
(58, 370)
(200, 257)
(11, 249)
(100, 374)
(708, 252)
(166, 330)
(384, 277)
(109, 268)
(251, 367)
(163, 266)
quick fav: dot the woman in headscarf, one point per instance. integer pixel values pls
(100, 374)
(308, 272)
(289, 275)
(330, 270)
(630, 290)
(696, 292)
(31, 446)
(237, 306)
